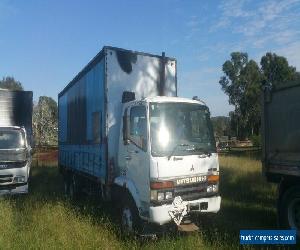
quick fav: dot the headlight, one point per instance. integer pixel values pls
(160, 196)
(212, 188)
(215, 188)
(209, 189)
(153, 195)
(169, 195)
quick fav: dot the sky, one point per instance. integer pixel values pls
(45, 43)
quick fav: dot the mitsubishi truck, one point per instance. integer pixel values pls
(15, 141)
(281, 149)
(124, 134)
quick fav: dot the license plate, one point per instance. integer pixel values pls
(191, 180)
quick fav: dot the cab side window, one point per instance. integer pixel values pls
(138, 127)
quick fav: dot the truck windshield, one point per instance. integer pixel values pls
(10, 139)
(180, 129)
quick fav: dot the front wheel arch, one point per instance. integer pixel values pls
(129, 215)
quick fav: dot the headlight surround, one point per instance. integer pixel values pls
(158, 195)
(19, 179)
(212, 188)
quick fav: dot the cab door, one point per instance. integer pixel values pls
(136, 150)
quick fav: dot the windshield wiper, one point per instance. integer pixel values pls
(202, 151)
(176, 146)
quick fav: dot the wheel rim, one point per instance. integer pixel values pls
(127, 224)
(294, 214)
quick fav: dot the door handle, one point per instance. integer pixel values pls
(128, 158)
(133, 151)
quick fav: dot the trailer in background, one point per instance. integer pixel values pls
(281, 149)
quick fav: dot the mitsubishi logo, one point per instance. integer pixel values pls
(192, 168)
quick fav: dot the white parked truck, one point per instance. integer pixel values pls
(125, 134)
(15, 141)
(281, 149)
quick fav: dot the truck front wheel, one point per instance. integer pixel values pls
(289, 209)
(130, 220)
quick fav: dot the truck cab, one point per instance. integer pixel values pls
(15, 160)
(167, 159)
(15, 140)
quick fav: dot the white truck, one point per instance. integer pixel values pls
(281, 149)
(125, 134)
(15, 141)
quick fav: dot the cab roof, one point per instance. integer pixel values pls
(162, 99)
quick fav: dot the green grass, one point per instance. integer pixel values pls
(45, 220)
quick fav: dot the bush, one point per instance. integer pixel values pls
(256, 140)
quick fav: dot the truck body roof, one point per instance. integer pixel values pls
(99, 57)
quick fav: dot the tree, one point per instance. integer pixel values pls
(10, 83)
(241, 82)
(251, 78)
(221, 125)
(45, 121)
(276, 70)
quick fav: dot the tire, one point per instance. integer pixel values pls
(289, 209)
(130, 220)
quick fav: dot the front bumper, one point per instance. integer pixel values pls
(8, 185)
(14, 189)
(160, 214)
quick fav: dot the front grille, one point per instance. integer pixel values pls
(12, 164)
(191, 192)
(8, 178)
(187, 193)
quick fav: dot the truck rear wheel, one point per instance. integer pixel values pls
(130, 220)
(289, 210)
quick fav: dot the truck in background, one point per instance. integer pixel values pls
(15, 141)
(281, 149)
(124, 134)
